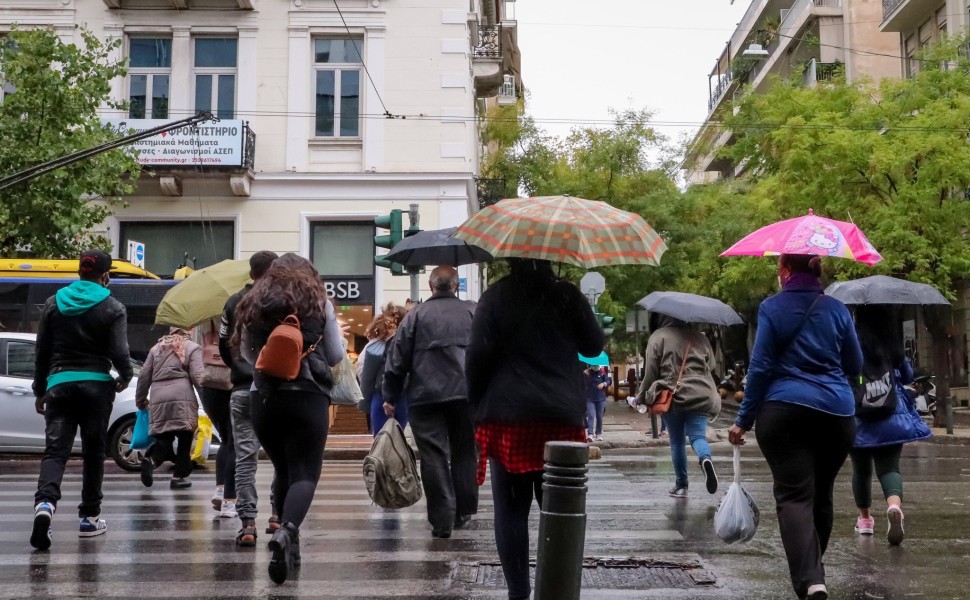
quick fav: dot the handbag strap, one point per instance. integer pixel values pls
(683, 365)
(801, 326)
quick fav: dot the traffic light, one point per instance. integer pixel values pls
(413, 229)
(394, 224)
(605, 322)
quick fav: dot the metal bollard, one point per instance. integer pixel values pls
(562, 522)
(653, 426)
(948, 414)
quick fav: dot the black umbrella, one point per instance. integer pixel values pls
(436, 247)
(880, 289)
(691, 308)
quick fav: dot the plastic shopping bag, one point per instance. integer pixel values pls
(737, 516)
(203, 437)
(140, 440)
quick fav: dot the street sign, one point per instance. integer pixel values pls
(592, 285)
(636, 320)
(462, 284)
(136, 253)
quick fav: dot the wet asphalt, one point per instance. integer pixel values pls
(164, 543)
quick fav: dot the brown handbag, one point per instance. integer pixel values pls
(283, 352)
(664, 398)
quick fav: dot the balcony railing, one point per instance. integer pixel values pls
(818, 71)
(718, 91)
(506, 93)
(249, 150)
(888, 6)
(489, 191)
(489, 42)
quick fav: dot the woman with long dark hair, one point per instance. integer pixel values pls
(525, 384)
(798, 389)
(290, 418)
(879, 442)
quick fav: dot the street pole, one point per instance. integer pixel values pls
(562, 522)
(415, 274)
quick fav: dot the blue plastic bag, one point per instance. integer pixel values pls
(140, 440)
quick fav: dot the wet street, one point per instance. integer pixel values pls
(163, 543)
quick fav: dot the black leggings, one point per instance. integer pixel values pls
(216, 405)
(163, 450)
(886, 460)
(292, 427)
(512, 495)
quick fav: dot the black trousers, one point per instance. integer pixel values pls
(805, 448)
(85, 405)
(445, 436)
(292, 427)
(216, 405)
(163, 449)
(512, 494)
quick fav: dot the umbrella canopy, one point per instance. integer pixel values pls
(581, 232)
(691, 308)
(810, 234)
(880, 289)
(601, 360)
(202, 295)
(436, 247)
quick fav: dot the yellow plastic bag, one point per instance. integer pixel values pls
(203, 438)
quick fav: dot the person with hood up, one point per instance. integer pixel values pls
(82, 335)
(673, 346)
(171, 370)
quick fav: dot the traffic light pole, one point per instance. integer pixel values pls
(415, 274)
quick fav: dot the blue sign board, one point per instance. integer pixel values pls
(462, 284)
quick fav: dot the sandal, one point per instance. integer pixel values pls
(247, 535)
(274, 524)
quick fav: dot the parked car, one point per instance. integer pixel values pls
(22, 429)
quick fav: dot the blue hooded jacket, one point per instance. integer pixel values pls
(813, 369)
(904, 425)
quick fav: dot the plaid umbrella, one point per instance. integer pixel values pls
(581, 232)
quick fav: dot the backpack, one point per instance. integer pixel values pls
(215, 373)
(875, 391)
(283, 354)
(390, 470)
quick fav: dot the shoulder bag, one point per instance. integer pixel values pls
(665, 397)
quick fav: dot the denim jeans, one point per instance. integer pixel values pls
(691, 425)
(247, 452)
(378, 418)
(594, 416)
(85, 405)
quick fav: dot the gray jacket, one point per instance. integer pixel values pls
(173, 405)
(664, 355)
(428, 351)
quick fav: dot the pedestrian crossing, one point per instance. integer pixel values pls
(166, 543)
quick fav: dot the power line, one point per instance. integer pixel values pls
(353, 42)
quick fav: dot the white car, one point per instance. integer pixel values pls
(22, 429)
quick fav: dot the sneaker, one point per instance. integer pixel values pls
(40, 535)
(92, 526)
(217, 498)
(590, 439)
(817, 592)
(147, 472)
(895, 516)
(678, 492)
(599, 438)
(179, 483)
(710, 477)
(228, 510)
(864, 525)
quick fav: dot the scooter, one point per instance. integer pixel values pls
(733, 383)
(922, 391)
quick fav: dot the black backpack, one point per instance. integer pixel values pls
(875, 391)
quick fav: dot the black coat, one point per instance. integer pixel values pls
(523, 364)
(240, 371)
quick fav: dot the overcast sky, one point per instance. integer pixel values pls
(581, 58)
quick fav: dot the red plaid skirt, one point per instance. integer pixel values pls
(520, 446)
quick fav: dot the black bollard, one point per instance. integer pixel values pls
(562, 522)
(653, 426)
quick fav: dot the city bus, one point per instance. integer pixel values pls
(26, 284)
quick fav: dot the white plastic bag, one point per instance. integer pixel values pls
(737, 516)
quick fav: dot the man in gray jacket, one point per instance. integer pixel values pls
(428, 354)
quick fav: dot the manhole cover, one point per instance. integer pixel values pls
(633, 573)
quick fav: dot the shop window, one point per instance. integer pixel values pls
(169, 244)
(345, 249)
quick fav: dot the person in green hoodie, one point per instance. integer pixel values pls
(82, 335)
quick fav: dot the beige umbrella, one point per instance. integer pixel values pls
(203, 294)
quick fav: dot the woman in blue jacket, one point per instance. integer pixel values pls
(880, 442)
(798, 390)
(597, 382)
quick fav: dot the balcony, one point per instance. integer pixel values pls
(182, 4)
(906, 15)
(487, 60)
(719, 89)
(507, 94)
(816, 72)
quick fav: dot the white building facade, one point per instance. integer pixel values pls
(331, 113)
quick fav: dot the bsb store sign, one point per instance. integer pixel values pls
(217, 144)
(350, 290)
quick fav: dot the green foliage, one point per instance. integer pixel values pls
(52, 113)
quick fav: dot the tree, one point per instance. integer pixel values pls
(52, 112)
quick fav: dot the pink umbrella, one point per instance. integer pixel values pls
(810, 234)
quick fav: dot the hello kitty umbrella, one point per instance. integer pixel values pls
(810, 234)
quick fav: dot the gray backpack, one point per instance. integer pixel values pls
(390, 470)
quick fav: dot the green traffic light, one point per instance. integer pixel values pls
(393, 222)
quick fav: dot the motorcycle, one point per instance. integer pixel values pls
(922, 391)
(733, 382)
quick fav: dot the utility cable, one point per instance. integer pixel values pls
(353, 42)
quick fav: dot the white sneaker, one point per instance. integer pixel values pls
(817, 592)
(217, 498)
(228, 510)
(92, 526)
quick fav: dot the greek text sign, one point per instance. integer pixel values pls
(218, 143)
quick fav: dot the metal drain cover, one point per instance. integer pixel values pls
(630, 573)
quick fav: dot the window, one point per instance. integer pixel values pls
(337, 66)
(6, 45)
(150, 71)
(20, 359)
(215, 76)
(342, 248)
(941, 22)
(910, 63)
(168, 242)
